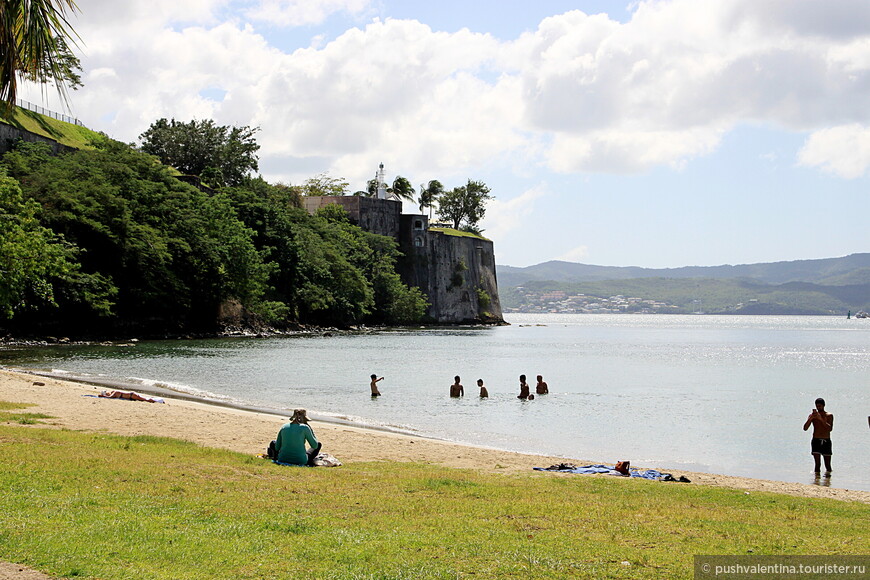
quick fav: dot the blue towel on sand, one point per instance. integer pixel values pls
(590, 469)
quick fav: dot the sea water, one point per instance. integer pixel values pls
(718, 394)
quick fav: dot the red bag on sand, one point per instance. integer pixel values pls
(622, 467)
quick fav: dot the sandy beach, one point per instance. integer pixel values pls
(75, 406)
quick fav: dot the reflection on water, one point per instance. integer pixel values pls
(824, 481)
(723, 394)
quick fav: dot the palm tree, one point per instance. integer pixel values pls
(402, 188)
(32, 34)
(429, 195)
(372, 187)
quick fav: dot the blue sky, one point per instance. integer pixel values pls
(658, 134)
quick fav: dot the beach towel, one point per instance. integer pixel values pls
(600, 468)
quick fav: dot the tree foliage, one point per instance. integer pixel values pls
(30, 254)
(323, 184)
(429, 195)
(152, 251)
(33, 44)
(121, 245)
(220, 155)
(465, 206)
(65, 69)
(402, 188)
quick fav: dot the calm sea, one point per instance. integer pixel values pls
(719, 394)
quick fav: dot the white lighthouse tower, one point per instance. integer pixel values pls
(382, 186)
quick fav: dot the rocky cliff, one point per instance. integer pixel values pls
(455, 270)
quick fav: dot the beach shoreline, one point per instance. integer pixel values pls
(75, 406)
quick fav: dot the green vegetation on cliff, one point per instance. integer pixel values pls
(455, 232)
(130, 248)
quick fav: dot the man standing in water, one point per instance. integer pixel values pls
(456, 389)
(375, 381)
(823, 424)
(524, 388)
(541, 388)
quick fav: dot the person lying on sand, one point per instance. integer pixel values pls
(129, 395)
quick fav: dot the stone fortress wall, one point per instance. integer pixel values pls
(457, 273)
(10, 134)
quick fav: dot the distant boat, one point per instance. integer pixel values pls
(861, 314)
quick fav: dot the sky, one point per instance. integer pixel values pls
(659, 134)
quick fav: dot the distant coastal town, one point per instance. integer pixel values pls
(558, 301)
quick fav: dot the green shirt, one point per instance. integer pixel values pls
(290, 443)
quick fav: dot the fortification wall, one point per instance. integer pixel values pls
(379, 216)
(457, 274)
(10, 134)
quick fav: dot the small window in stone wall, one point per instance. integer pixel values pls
(418, 242)
(418, 224)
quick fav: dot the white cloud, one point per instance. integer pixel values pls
(665, 86)
(503, 218)
(574, 255)
(578, 94)
(843, 150)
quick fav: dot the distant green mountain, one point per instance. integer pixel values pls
(817, 271)
(828, 286)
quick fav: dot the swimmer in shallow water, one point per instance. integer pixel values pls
(524, 388)
(456, 389)
(374, 385)
(823, 424)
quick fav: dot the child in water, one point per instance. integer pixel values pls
(375, 381)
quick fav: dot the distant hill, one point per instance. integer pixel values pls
(828, 286)
(851, 269)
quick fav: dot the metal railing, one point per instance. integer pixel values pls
(43, 111)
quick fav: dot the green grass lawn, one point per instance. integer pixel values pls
(62, 132)
(453, 232)
(100, 506)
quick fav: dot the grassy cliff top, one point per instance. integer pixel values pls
(459, 233)
(64, 133)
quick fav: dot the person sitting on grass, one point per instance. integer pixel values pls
(289, 447)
